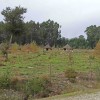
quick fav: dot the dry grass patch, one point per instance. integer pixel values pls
(32, 47)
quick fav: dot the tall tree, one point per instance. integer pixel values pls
(93, 35)
(2, 31)
(13, 19)
(30, 31)
(81, 42)
(50, 32)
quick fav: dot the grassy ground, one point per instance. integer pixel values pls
(28, 65)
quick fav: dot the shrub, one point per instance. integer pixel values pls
(4, 49)
(97, 49)
(46, 84)
(9, 82)
(14, 47)
(32, 47)
(71, 74)
(39, 87)
(18, 83)
(97, 73)
(32, 86)
(5, 81)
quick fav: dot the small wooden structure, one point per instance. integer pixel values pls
(67, 47)
(48, 47)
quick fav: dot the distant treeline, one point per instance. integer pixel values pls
(14, 29)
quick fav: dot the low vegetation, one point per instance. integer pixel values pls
(36, 73)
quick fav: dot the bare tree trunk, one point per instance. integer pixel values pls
(8, 46)
(10, 40)
(6, 56)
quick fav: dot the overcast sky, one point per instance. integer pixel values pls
(73, 15)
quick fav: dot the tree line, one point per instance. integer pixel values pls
(14, 29)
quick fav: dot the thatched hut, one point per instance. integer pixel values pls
(48, 47)
(67, 47)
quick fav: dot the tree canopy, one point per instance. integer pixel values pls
(13, 19)
(93, 35)
(46, 32)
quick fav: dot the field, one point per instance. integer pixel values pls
(31, 64)
(22, 66)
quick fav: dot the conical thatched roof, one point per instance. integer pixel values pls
(67, 47)
(47, 46)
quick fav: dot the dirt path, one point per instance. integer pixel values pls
(92, 96)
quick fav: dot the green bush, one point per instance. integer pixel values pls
(4, 49)
(5, 81)
(71, 74)
(14, 48)
(38, 86)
